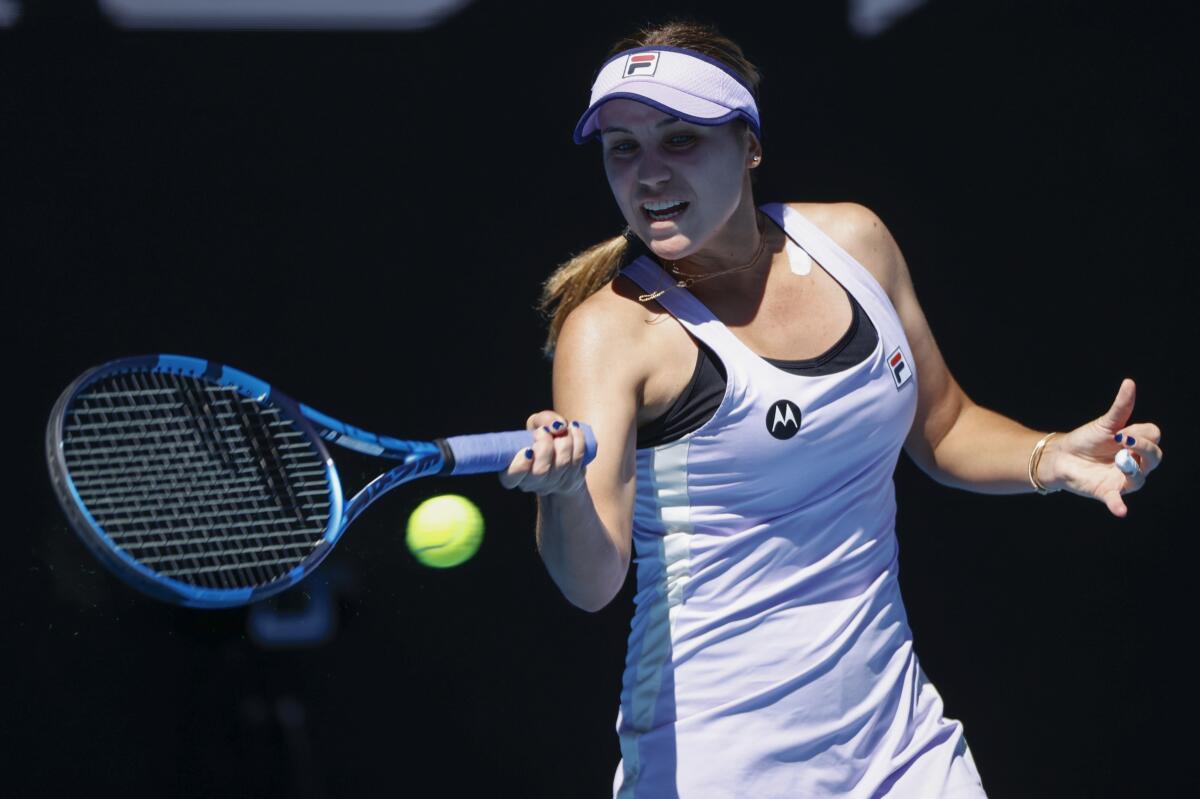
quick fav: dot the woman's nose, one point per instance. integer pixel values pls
(652, 169)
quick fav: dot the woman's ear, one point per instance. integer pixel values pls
(753, 149)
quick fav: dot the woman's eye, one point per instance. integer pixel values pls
(681, 139)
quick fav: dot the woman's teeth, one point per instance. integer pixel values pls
(659, 211)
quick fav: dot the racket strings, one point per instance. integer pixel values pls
(194, 480)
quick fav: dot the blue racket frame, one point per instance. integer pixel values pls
(457, 455)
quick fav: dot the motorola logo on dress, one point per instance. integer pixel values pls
(783, 419)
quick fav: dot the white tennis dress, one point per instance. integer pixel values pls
(770, 654)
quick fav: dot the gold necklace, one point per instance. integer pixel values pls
(690, 280)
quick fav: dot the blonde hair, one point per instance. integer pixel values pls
(587, 272)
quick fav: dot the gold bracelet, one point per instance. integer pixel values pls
(1035, 458)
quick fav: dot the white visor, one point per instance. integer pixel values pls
(676, 81)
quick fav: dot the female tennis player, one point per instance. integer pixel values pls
(751, 374)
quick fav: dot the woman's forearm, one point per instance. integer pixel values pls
(989, 453)
(581, 555)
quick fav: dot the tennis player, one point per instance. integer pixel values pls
(751, 374)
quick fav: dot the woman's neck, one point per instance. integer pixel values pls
(733, 247)
(736, 267)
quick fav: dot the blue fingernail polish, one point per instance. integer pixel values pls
(1129, 440)
(529, 454)
(574, 424)
(1117, 438)
(547, 429)
(557, 425)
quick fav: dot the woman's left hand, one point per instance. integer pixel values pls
(1081, 461)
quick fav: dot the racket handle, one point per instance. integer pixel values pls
(492, 452)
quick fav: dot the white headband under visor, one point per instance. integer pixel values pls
(676, 81)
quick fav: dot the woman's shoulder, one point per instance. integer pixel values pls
(611, 320)
(843, 216)
(859, 231)
(616, 305)
(611, 335)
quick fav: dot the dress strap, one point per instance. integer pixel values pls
(680, 302)
(694, 315)
(843, 266)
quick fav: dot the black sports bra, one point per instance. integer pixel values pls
(703, 395)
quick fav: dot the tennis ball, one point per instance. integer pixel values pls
(445, 531)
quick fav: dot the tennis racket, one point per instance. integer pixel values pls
(202, 485)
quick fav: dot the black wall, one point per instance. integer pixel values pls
(364, 220)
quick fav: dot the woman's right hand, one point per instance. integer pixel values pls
(554, 464)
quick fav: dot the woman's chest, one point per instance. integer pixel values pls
(800, 319)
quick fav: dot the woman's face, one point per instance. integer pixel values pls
(693, 177)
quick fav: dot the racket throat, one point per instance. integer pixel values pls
(448, 461)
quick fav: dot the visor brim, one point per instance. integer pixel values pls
(667, 99)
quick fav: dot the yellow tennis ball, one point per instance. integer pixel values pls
(445, 531)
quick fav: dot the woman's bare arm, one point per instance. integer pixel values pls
(965, 445)
(584, 532)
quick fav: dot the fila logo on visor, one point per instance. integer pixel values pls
(783, 419)
(640, 64)
(899, 368)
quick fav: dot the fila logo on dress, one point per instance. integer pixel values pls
(899, 368)
(783, 419)
(640, 64)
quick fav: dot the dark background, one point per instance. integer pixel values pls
(364, 219)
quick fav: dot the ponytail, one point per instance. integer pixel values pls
(576, 280)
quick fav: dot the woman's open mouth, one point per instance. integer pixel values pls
(662, 211)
